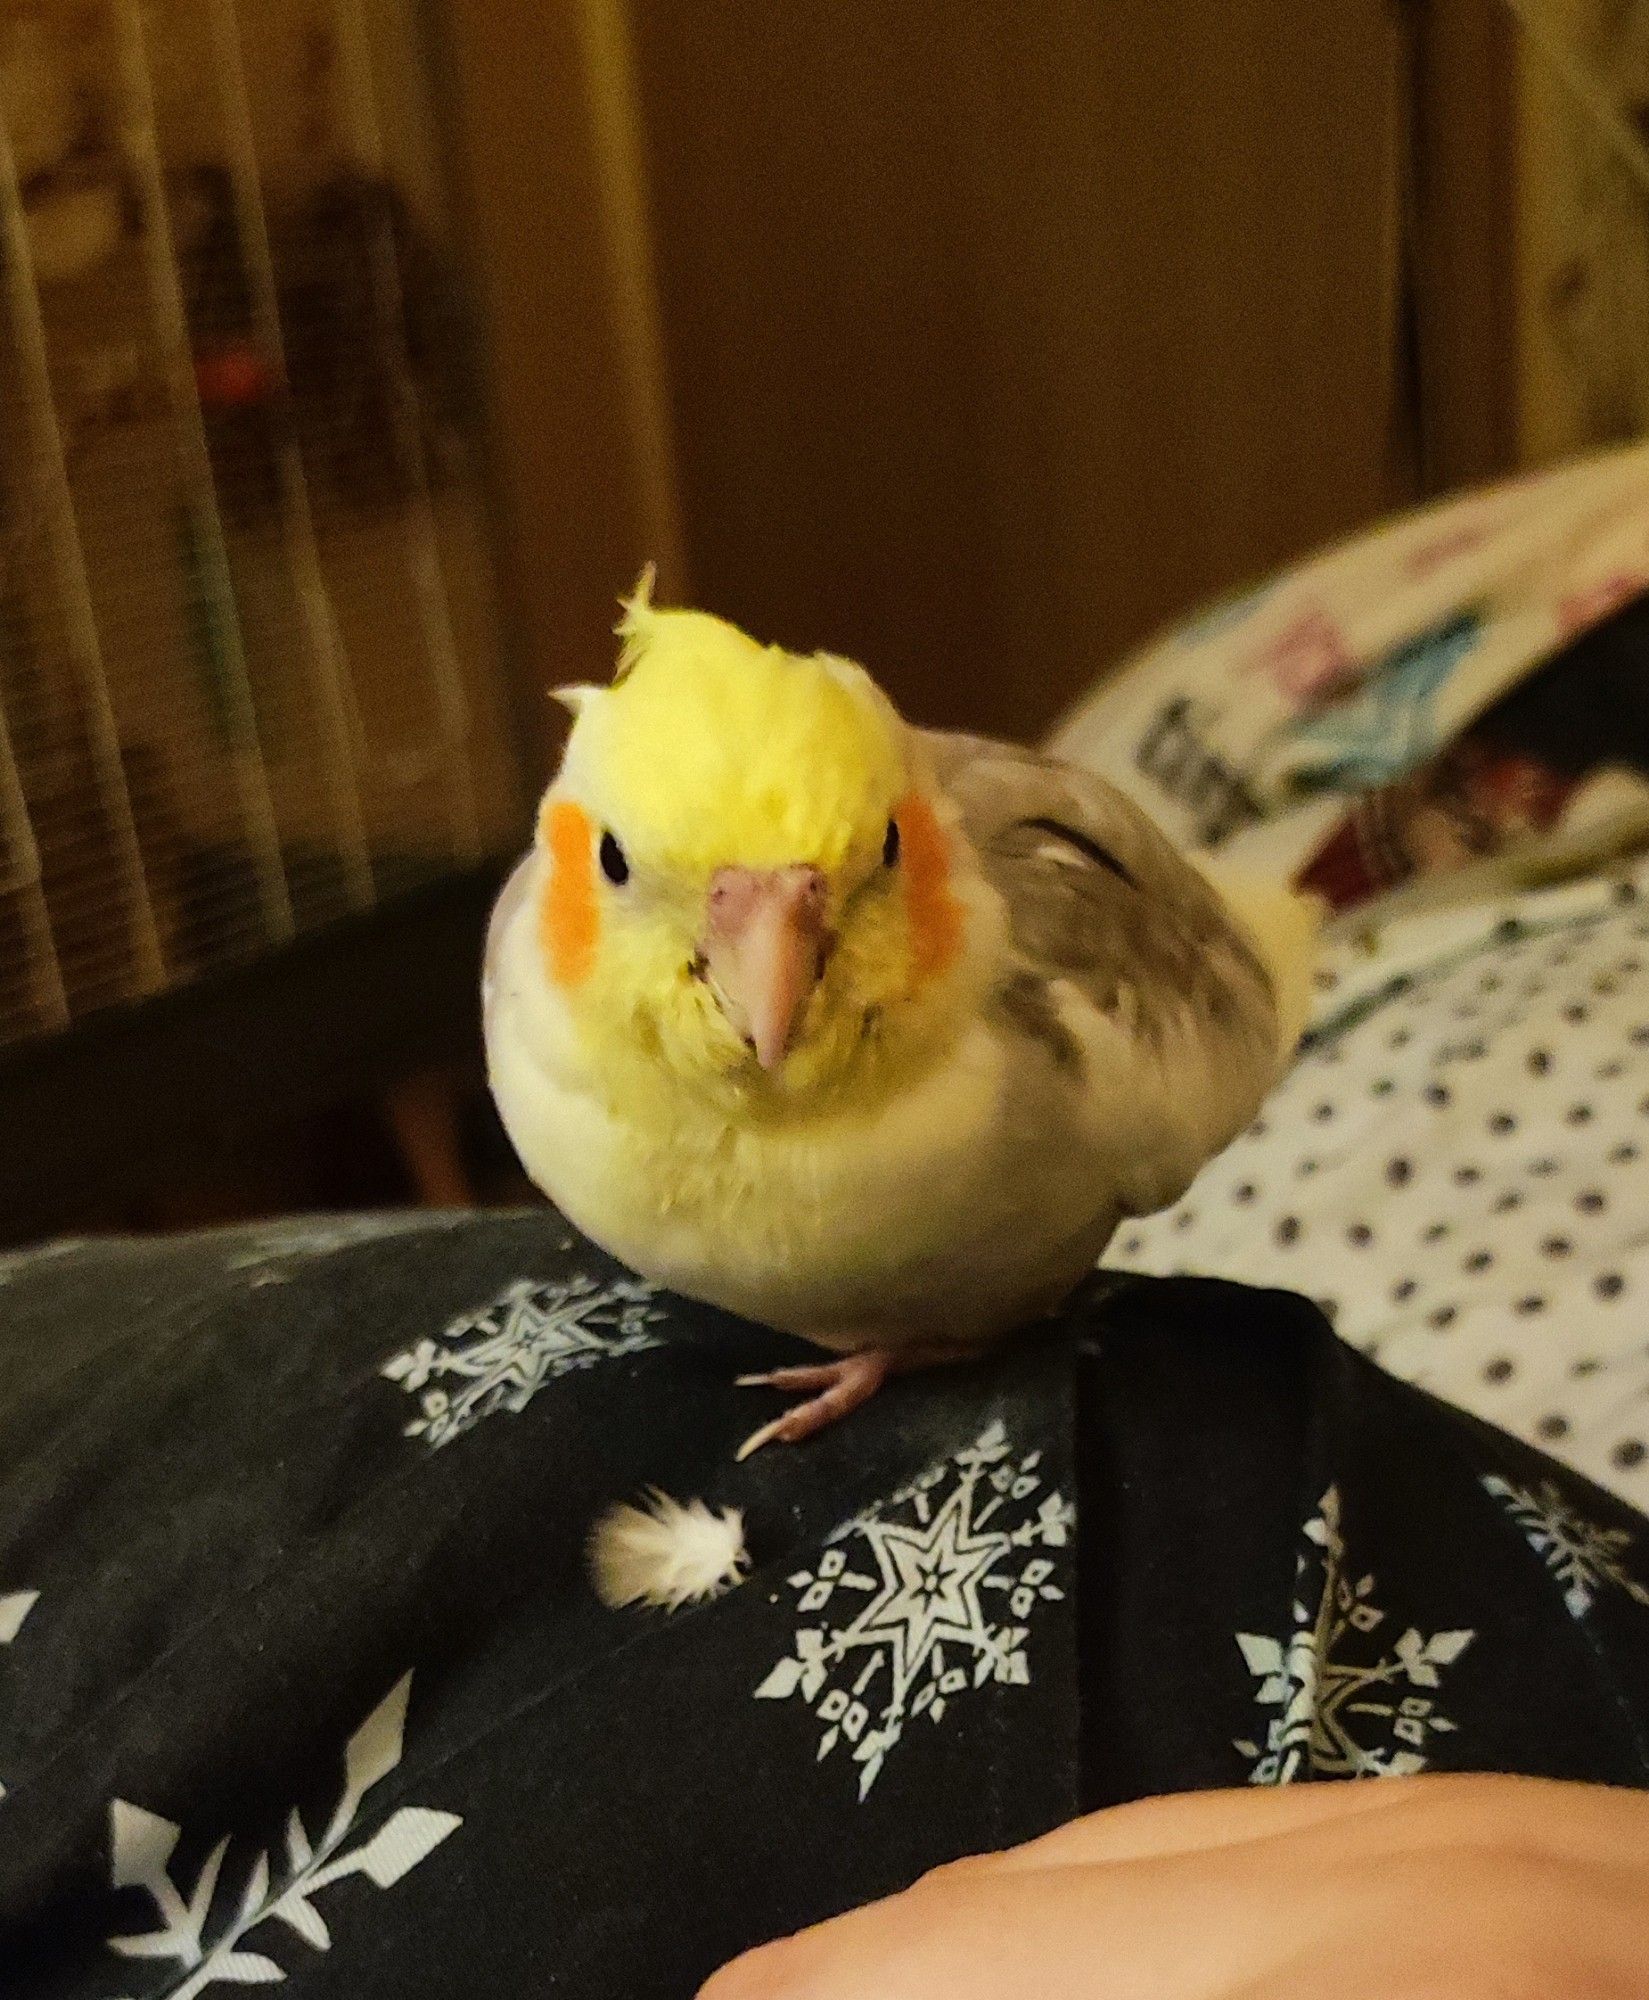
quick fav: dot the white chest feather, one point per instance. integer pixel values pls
(956, 1208)
(936, 1216)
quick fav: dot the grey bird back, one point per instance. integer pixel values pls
(1098, 897)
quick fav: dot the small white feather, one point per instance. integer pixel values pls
(666, 1554)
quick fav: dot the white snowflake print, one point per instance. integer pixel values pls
(935, 1589)
(1341, 1717)
(1583, 1557)
(142, 1844)
(499, 1357)
(15, 1606)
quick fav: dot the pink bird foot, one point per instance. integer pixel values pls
(838, 1387)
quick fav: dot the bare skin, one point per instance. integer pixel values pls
(1429, 1888)
(834, 1389)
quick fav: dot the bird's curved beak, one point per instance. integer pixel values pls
(765, 942)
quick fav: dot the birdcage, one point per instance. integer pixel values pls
(248, 654)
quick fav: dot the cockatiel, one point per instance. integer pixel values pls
(870, 1034)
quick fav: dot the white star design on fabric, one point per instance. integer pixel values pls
(936, 1588)
(931, 1579)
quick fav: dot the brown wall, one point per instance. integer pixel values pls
(975, 339)
(998, 334)
(541, 112)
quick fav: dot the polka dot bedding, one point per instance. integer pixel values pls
(1457, 1168)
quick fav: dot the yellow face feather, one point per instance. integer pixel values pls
(709, 752)
(714, 750)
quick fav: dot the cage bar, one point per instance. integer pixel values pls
(25, 880)
(68, 562)
(423, 549)
(166, 289)
(339, 712)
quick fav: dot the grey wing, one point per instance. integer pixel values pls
(1098, 898)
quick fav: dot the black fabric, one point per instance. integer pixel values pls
(1588, 705)
(252, 1482)
(1214, 1421)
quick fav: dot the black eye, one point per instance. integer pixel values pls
(614, 863)
(890, 845)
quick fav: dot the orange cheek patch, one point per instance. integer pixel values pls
(570, 916)
(935, 915)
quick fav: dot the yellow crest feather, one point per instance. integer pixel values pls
(636, 626)
(710, 748)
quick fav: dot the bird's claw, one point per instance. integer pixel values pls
(833, 1389)
(766, 1435)
(814, 1377)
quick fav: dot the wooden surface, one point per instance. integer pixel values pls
(998, 335)
(1465, 241)
(1583, 223)
(540, 110)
